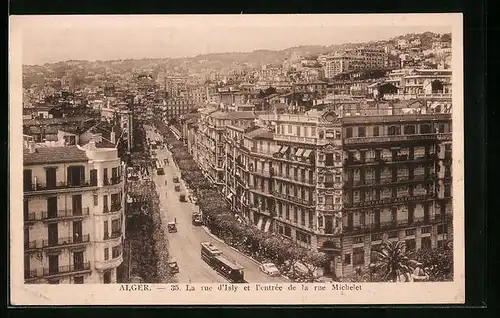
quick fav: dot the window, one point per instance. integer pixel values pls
(329, 199)
(313, 131)
(347, 259)
(337, 157)
(106, 254)
(329, 159)
(297, 131)
(394, 130)
(358, 255)
(96, 199)
(106, 230)
(426, 242)
(329, 180)
(410, 245)
(442, 128)
(362, 218)
(409, 130)
(105, 202)
(376, 131)
(361, 131)
(295, 215)
(348, 132)
(288, 231)
(78, 280)
(289, 129)
(117, 251)
(425, 129)
(442, 229)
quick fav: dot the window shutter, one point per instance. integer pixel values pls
(69, 176)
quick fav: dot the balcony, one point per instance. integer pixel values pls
(109, 264)
(262, 211)
(42, 187)
(293, 199)
(66, 242)
(30, 246)
(259, 190)
(296, 139)
(65, 214)
(396, 138)
(115, 207)
(113, 180)
(290, 178)
(114, 235)
(389, 225)
(387, 201)
(29, 274)
(66, 269)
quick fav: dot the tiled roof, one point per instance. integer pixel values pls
(219, 114)
(241, 115)
(54, 155)
(54, 121)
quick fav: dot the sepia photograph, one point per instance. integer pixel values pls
(237, 159)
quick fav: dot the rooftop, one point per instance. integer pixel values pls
(260, 133)
(51, 155)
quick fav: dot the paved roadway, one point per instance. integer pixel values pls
(184, 245)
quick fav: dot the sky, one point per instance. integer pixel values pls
(51, 39)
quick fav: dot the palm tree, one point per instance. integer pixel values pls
(394, 262)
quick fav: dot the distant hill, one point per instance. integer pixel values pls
(217, 61)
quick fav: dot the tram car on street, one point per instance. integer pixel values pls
(227, 268)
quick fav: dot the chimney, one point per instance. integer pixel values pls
(113, 137)
(31, 146)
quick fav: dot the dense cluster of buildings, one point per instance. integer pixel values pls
(335, 180)
(332, 151)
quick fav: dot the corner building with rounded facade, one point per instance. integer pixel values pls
(338, 181)
(73, 214)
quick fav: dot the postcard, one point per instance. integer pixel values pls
(237, 159)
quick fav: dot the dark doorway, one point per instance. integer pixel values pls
(50, 175)
(77, 231)
(78, 261)
(53, 264)
(107, 277)
(93, 177)
(76, 176)
(53, 234)
(77, 204)
(52, 207)
(27, 180)
(437, 86)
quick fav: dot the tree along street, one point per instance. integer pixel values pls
(184, 245)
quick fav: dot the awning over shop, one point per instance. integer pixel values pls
(306, 153)
(268, 225)
(284, 149)
(259, 223)
(300, 152)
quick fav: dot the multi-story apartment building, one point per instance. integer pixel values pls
(338, 182)
(210, 141)
(420, 83)
(173, 109)
(73, 213)
(360, 58)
